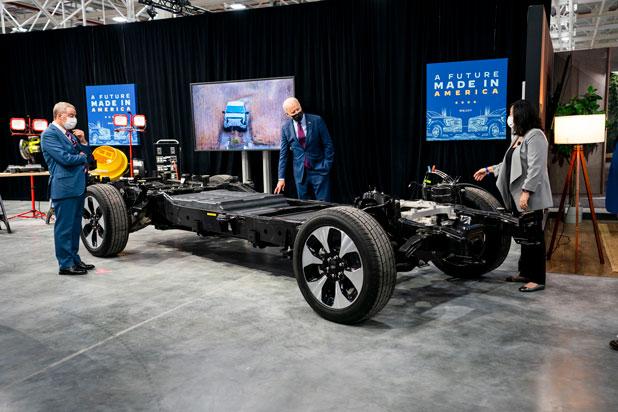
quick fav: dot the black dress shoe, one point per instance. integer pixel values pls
(84, 266)
(72, 271)
(613, 344)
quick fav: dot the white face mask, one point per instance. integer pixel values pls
(509, 121)
(70, 123)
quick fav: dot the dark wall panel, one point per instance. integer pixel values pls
(360, 64)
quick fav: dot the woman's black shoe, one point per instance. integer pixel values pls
(613, 344)
(532, 289)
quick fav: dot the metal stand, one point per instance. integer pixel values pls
(246, 170)
(4, 217)
(268, 184)
(33, 213)
(577, 158)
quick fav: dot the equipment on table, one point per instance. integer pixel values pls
(167, 152)
(30, 144)
(25, 168)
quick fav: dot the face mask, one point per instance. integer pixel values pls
(298, 117)
(70, 123)
(509, 121)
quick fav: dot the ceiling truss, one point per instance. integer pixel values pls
(584, 24)
(31, 15)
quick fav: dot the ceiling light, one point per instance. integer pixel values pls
(237, 6)
(120, 19)
(151, 12)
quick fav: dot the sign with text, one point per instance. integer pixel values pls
(467, 100)
(103, 102)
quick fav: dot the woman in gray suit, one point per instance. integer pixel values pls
(523, 182)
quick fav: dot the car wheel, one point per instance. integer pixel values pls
(497, 242)
(344, 265)
(105, 221)
(436, 131)
(494, 130)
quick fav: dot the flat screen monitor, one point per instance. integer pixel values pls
(103, 102)
(466, 100)
(240, 115)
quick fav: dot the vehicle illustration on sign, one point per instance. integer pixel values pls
(491, 124)
(440, 125)
(235, 116)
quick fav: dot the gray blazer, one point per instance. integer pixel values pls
(528, 171)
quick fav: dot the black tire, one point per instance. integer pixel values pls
(370, 251)
(105, 222)
(497, 240)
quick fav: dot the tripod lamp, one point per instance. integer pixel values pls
(578, 130)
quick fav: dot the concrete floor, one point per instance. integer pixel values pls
(181, 323)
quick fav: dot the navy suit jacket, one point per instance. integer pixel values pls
(318, 148)
(66, 166)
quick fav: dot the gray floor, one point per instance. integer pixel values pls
(180, 323)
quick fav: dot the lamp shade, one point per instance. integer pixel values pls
(580, 129)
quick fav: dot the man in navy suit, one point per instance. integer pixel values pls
(307, 137)
(67, 154)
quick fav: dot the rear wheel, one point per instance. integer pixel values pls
(497, 242)
(344, 265)
(494, 130)
(105, 221)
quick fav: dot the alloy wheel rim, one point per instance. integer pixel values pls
(332, 267)
(93, 223)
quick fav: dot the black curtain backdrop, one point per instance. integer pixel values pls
(360, 64)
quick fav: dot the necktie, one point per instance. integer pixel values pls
(74, 143)
(301, 134)
(71, 138)
(302, 140)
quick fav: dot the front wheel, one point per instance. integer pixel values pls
(105, 221)
(344, 265)
(436, 131)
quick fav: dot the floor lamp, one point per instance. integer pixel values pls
(577, 131)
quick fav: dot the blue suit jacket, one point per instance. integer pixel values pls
(318, 148)
(66, 165)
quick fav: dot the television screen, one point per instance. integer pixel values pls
(103, 102)
(240, 115)
(466, 100)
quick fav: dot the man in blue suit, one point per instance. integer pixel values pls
(307, 137)
(67, 154)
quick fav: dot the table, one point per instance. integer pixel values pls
(33, 213)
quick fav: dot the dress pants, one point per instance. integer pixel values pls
(532, 258)
(67, 230)
(314, 186)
